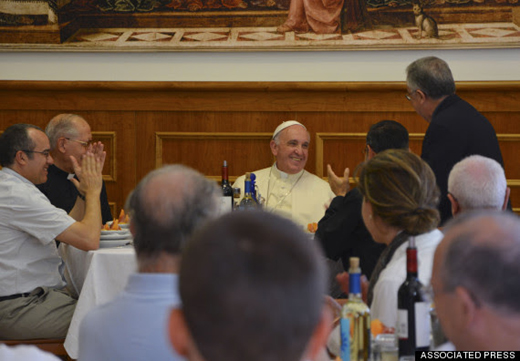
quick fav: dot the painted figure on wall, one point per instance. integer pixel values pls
(326, 16)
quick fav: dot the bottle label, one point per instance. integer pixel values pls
(345, 339)
(422, 324)
(225, 205)
(354, 283)
(402, 324)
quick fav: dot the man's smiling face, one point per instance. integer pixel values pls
(292, 149)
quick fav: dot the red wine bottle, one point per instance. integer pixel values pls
(413, 310)
(227, 192)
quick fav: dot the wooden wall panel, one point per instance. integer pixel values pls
(145, 124)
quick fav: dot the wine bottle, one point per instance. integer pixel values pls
(226, 202)
(413, 311)
(247, 202)
(253, 188)
(355, 319)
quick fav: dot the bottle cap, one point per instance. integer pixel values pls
(354, 262)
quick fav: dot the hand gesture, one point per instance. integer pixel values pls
(97, 149)
(89, 173)
(339, 186)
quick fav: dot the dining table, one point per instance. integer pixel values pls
(95, 277)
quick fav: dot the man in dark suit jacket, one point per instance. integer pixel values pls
(456, 131)
(341, 231)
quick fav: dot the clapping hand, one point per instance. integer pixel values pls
(90, 171)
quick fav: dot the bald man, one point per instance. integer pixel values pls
(287, 188)
(70, 135)
(477, 182)
(476, 281)
(165, 208)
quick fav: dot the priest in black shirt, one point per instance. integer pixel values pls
(70, 135)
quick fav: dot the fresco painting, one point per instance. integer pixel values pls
(180, 25)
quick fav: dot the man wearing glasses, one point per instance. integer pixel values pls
(33, 303)
(456, 129)
(70, 135)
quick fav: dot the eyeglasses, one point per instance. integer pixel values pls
(46, 153)
(84, 144)
(409, 95)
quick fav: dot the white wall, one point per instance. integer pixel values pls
(467, 65)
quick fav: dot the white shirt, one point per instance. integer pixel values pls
(25, 352)
(29, 223)
(301, 197)
(384, 303)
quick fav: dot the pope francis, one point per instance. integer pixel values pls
(286, 187)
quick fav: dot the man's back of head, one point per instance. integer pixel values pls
(166, 207)
(477, 182)
(252, 287)
(387, 134)
(476, 281)
(432, 76)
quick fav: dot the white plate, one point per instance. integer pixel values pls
(124, 232)
(116, 243)
(110, 237)
(122, 225)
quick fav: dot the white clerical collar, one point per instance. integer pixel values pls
(282, 175)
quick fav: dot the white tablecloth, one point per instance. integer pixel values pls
(98, 276)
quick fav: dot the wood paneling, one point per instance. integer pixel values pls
(146, 124)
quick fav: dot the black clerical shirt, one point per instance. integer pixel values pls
(63, 193)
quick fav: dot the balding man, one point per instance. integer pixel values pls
(477, 183)
(70, 135)
(165, 208)
(251, 285)
(33, 303)
(476, 281)
(288, 189)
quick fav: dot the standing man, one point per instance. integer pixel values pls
(288, 189)
(251, 285)
(456, 129)
(342, 232)
(476, 281)
(33, 302)
(165, 208)
(70, 135)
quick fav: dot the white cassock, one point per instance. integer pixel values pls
(301, 197)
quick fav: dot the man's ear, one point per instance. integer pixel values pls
(370, 152)
(60, 146)
(468, 307)
(320, 335)
(455, 207)
(274, 147)
(506, 198)
(421, 96)
(21, 157)
(178, 332)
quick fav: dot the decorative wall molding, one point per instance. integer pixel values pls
(109, 140)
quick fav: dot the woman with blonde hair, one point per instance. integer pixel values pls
(400, 199)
